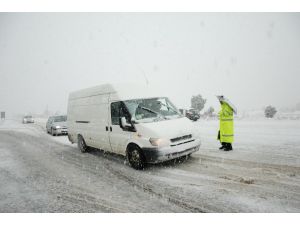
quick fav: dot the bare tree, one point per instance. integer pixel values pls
(197, 102)
(209, 112)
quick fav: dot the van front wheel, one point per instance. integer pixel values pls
(81, 144)
(136, 158)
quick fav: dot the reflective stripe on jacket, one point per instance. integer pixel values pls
(226, 123)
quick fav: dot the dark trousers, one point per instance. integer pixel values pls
(223, 143)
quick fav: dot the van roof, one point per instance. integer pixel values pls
(120, 91)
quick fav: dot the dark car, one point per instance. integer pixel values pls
(192, 115)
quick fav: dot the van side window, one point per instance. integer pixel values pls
(114, 108)
(118, 110)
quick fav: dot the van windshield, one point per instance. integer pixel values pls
(152, 109)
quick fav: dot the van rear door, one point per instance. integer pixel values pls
(97, 127)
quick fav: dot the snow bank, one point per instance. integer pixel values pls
(266, 140)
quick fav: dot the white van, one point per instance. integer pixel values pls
(131, 121)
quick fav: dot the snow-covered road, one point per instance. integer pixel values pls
(41, 173)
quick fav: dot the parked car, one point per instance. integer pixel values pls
(192, 114)
(131, 121)
(27, 119)
(57, 125)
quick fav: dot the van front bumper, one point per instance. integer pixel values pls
(58, 131)
(156, 155)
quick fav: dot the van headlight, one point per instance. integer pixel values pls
(57, 127)
(159, 142)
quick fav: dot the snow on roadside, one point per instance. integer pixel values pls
(266, 141)
(33, 129)
(63, 139)
(18, 126)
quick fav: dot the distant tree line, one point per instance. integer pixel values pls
(198, 103)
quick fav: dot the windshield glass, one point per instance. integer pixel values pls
(152, 109)
(193, 111)
(27, 117)
(60, 118)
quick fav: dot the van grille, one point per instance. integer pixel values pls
(182, 138)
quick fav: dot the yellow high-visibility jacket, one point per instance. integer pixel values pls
(226, 123)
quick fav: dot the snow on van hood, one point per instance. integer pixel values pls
(167, 128)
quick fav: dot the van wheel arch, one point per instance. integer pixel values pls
(135, 156)
(81, 143)
(52, 132)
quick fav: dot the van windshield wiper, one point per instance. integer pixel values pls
(150, 110)
(168, 107)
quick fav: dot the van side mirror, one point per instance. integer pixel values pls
(123, 123)
(126, 126)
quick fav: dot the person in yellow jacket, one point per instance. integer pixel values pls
(226, 132)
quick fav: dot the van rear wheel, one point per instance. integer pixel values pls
(81, 144)
(135, 158)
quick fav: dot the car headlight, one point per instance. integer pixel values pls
(159, 142)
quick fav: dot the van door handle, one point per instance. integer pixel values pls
(110, 128)
(106, 128)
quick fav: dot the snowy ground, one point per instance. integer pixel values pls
(41, 173)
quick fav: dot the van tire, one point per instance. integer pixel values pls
(135, 157)
(52, 133)
(81, 144)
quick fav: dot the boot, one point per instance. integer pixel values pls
(228, 147)
(223, 146)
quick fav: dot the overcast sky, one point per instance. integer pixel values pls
(252, 58)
